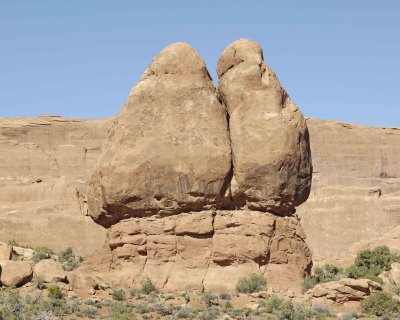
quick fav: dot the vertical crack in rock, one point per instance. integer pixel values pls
(211, 251)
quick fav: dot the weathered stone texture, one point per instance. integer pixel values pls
(270, 143)
(45, 164)
(355, 197)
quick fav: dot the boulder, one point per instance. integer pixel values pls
(5, 251)
(169, 148)
(270, 143)
(50, 271)
(24, 253)
(343, 295)
(15, 273)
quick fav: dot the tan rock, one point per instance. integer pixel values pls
(219, 249)
(343, 295)
(24, 253)
(45, 163)
(169, 149)
(269, 136)
(15, 273)
(355, 190)
(5, 251)
(50, 271)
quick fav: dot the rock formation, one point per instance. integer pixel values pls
(168, 151)
(355, 197)
(343, 295)
(45, 164)
(194, 195)
(269, 136)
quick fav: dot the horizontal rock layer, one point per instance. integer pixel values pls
(354, 203)
(215, 247)
(355, 198)
(45, 164)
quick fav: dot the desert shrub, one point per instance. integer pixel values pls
(381, 304)
(147, 286)
(68, 260)
(184, 313)
(90, 312)
(118, 295)
(41, 253)
(209, 299)
(142, 308)
(163, 310)
(54, 292)
(210, 314)
(396, 290)
(287, 310)
(369, 264)
(253, 283)
(169, 297)
(326, 273)
(120, 311)
(12, 306)
(225, 296)
(39, 283)
(349, 316)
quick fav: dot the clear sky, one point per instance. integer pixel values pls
(338, 59)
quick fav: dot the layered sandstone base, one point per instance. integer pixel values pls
(203, 251)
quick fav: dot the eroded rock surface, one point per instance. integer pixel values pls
(45, 164)
(169, 150)
(343, 294)
(355, 198)
(196, 202)
(270, 143)
(208, 250)
(15, 273)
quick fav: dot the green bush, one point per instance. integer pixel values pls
(54, 292)
(381, 304)
(68, 260)
(147, 286)
(253, 283)
(209, 299)
(41, 253)
(90, 312)
(15, 307)
(369, 264)
(118, 295)
(142, 308)
(225, 296)
(326, 273)
(121, 311)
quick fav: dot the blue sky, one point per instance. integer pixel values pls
(338, 59)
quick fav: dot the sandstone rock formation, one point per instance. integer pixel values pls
(209, 250)
(50, 271)
(270, 143)
(169, 149)
(355, 197)
(343, 295)
(178, 210)
(45, 164)
(15, 273)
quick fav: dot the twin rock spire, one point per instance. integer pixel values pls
(180, 145)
